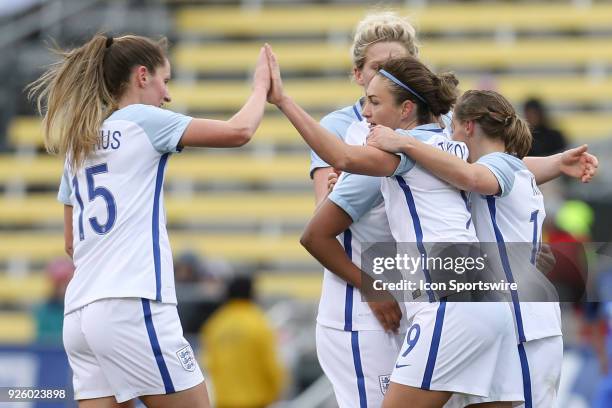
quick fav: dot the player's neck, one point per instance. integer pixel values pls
(408, 124)
(482, 146)
(129, 98)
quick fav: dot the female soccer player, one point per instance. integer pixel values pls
(451, 348)
(378, 37)
(103, 113)
(507, 208)
(357, 343)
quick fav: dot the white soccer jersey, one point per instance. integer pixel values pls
(341, 306)
(422, 207)
(516, 216)
(448, 342)
(120, 242)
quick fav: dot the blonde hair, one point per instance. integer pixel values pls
(79, 92)
(497, 119)
(384, 26)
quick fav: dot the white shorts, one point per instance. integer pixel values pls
(544, 358)
(127, 348)
(357, 363)
(465, 348)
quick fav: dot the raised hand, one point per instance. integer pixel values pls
(384, 138)
(578, 163)
(261, 76)
(276, 92)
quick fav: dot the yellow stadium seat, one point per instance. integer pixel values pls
(221, 208)
(16, 327)
(557, 52)
(34, 287)
(304, 285)
(240, 247)
(323, 19)
(322, 93)
(25, 131)
(239, 167)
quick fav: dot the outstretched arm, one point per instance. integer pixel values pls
(238, 130)
(448, 167)
(342, 156)
(576, 163)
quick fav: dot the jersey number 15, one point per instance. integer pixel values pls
(93, 192)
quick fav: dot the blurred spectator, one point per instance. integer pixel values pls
(199, 284)
(567, 236)
(49, 316)
(546, 139)
(239, 351)
(190, 267)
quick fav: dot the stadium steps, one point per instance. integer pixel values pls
(25, 132)
(186, 167)
(16, 327)
(204, 96)
(209, 208)
(39, 246)
(436, 18)
(555, 52)
(32, 288)
(35, 287)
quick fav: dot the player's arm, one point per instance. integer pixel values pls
(448, 167)
(344, 157)
(319, 239)
(320, 178)
(238, 130)
(576, 163)
(68, 230)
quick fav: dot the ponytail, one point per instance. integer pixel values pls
(517, 137)
(497, 118)
(434, 95)
(76, 94)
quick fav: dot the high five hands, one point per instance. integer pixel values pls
(261, 75)
(276, 92)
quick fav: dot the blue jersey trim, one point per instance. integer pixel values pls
(159, 358)
(357, 112)
(501, 245)
(363, 401)
(435, 344)
(468, 208)
(75, 183)
(159, 180)
(348, 300)
(417, 229)
(526, 376)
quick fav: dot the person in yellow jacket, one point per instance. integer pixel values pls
(239, 351)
